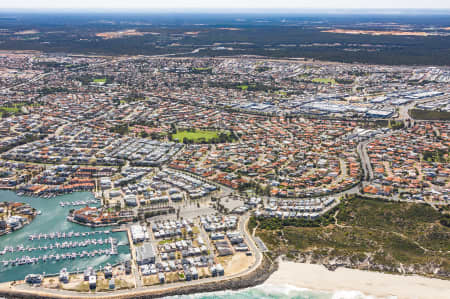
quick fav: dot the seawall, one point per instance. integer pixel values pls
(256, 277)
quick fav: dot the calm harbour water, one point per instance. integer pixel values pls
(53, 219)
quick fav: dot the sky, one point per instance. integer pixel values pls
(228, 4)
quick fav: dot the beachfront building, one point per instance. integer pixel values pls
(145, 254)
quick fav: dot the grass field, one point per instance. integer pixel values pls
(243, 87)
(195, 136)
(324, 80)
(282, 93)
(202, 68)
(10, 110)
(429, 115)
(99, 80)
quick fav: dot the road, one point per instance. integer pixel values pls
(403, 111)
(134, 269)
(365, 160)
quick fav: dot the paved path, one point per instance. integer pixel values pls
(365, 160)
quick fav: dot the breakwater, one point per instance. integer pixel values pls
(254, 278)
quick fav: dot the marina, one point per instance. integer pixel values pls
(58, 257)
(64, 235)
(51, 242)
(63, 245)
(78, 203)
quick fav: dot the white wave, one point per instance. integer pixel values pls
(219, 294)
(285, 289)
(356, 295)
(260, 291)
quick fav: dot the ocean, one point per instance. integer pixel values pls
(268, 291)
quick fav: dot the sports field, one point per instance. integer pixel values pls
(10, 110)
(196, 135)
(243, 87)
(324, 80)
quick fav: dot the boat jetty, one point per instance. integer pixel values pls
(57, 245)
(24, 260)
(64, 235)
(78, 203)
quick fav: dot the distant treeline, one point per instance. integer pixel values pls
(266, 41)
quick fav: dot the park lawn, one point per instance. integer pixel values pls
(324, 80)
(196, 135)
(10, 110)
(202, 68)
(14, 109)
(99, 80)
(429, 114)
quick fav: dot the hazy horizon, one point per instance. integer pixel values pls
(390, 11)
(230, 5)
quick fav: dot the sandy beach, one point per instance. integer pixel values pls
(317, 277)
